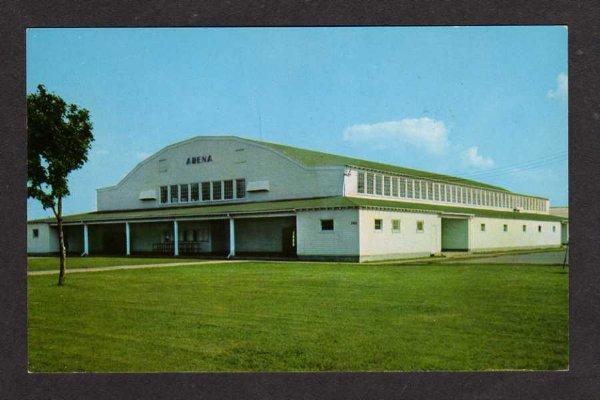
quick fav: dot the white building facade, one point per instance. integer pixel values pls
(228, 196)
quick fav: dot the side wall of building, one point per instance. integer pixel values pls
(46, 240)
(496, 238)
(274, 176)
(407, 242)
(342, 242)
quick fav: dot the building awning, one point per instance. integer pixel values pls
(226, 210)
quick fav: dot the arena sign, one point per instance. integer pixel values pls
(199, 159)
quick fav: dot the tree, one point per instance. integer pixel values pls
(59, 136)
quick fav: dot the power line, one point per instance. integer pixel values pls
(522, 165)
(522, 168)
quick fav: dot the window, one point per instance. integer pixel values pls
(443, 192)
(162, 165)
(430, 190)
(183, 192)
(370, 180)
(326, 224)
(203, 234)
(228, 189)
(464, 195)
(402, 184)
(482, 227)
(417, 189)
(395, 187)
(436, 191)
(505, 228)
(174, 194)
(240, 188)
(194, 235)
(539, 228)
(378, 184)
(164, 194)
(36, 233)
(524, 228)
(553, 228)
(216, 190)
(420, 226)
(386, 185)
(396, 225)
(454, 194)
(378, 224)
(469, 198)
(360, 183)
(194, 192)
(205, 191)
(409, 188)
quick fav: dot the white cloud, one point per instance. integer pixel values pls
(142, 155)
(425, 133)
(562, 88)
(472, 158)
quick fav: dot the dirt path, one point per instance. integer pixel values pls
(139, 266)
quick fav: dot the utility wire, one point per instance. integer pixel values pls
(521, 164)
(518, 166)
(521, 168)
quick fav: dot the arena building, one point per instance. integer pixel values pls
(228, 196)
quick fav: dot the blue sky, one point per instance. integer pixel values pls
(486, 103)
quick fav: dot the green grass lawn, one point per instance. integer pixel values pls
(301, 317)
(51, 263)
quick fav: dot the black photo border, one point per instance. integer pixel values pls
(582, 380)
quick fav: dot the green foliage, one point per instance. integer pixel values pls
(59, 136)
(274, 316)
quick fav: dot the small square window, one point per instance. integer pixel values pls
(505, 228)
(326, 224)
(420, 226)
(36, 233)
(524, 228)
(378, 224)
(395, 225)
(482, 227)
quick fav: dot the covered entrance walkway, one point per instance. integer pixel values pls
(261, 235)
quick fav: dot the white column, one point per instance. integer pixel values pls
(127, 239)
(231, 237)
(175, 238)
(86, 245)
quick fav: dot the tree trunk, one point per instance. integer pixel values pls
(61, 244)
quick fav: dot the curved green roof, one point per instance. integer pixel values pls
(316, 158)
